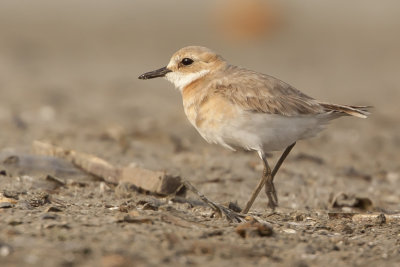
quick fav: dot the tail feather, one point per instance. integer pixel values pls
(356, 111)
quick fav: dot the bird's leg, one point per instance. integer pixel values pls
(264, 178)
(230, 215)
(269, 184)
(267, 179)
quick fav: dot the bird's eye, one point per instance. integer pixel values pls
(187, 61)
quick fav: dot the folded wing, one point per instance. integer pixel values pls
(262, 93)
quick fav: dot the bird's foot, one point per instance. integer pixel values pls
(229, 214)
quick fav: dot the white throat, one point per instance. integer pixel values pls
(180, 80)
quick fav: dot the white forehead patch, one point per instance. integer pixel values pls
(180, 80)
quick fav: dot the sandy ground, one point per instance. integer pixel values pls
(68, 75)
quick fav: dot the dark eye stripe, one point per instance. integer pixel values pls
(187, 61)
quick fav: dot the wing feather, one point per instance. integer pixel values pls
(262, 93)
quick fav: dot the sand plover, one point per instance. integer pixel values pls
(243, 109)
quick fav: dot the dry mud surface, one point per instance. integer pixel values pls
(73, 83)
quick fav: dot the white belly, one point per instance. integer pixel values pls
(264, 132)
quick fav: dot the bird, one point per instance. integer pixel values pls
(243, 109)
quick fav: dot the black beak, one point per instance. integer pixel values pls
(154, 74)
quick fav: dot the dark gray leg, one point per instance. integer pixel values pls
(269, 183)
(267, 179)
(264, 178)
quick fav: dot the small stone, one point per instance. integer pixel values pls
(11, 194)
(11, 160)
(149, 206)
(54, 209)
(40, 199)
(49, 216)
(345, 201)
(299, 217)
(126, 207)
(212, 233)
(3, 172)
(234, 206)
(346, 229)
(254, 228)
(123, 208)
(55, 180)
(24, 204)
(289, 231)
(14, 223)
(5, 250)
(103, 187)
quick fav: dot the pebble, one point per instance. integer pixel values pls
(49, 216)
(289, 231)
(5, 250)
(54, 209)
(254, 228)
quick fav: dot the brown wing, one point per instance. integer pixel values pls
(258, 92)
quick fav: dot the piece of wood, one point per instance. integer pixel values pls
(88, 163)
(156, 182)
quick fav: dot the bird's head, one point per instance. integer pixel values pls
(187, 65)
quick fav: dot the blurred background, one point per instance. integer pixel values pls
(68, 76)
(70, 66)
